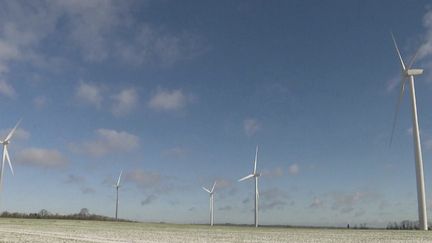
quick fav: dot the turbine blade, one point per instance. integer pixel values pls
(205, 189)
(8, 159)
(412, 60)
(399, 101)
(246, 177)
(118, 181)
(398, 52)
(256, 158)
(213, 186)
(9, 136)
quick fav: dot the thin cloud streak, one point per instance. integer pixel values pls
(107, 141)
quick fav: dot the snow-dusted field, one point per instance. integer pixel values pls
(29, 230)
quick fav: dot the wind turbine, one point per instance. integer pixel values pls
(211, 192)
(408, 73)
(5, 156)
(254, 175)
(117, 186)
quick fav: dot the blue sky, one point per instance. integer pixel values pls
(178, 94)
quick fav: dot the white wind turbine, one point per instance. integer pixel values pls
(211, 192)
(254, 175)
(408, 74)
(6, 157)
(117, 186)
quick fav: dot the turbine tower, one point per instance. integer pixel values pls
(117, 186)
(5, 156)
(408, 73)
(255, 175)
(211, 192)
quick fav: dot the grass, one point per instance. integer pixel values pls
(42, 230)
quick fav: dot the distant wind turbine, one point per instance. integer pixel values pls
(408, 74)
(211, 192)
(5, 144)
(254, 175)
(117, 186)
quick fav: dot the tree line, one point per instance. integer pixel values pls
(403, 225)
(83, 214)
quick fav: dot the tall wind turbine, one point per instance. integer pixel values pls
(211, 192)
(255, 175)
(408, 73)
(6, 157)
(117, 186)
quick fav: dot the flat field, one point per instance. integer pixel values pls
(38, 230)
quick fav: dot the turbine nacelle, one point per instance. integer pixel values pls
(413, 72)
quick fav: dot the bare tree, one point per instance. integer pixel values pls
(43, 213)
(84, 212)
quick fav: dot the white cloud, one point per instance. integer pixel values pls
(294, 169)
(276, 172)
(40, 101)
(107, 141)
(89, 94)
(152, 182)
(346, 202)
(95, 28)
(8, 51)
(393, 83)
(316, 203)
(124, 102)
(92, 24)
(176, 152)
(143, 179)
(98, 30)
(92, 94)
(168, 100)
(222, 184)
(409, 131)
(39, 157)
(20, 133)
(250, 126)
(22, 27)
(426, 48)
(6, 89)
(152, 45)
